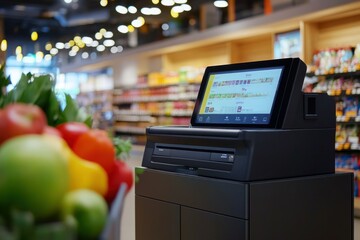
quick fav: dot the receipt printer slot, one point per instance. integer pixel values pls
(190, 154)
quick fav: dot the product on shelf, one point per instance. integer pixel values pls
(350, 162)
(347, 137)
(336, 60)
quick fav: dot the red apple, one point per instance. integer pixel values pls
(20, 119)
(52, 131)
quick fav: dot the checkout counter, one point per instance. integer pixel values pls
(256, 163)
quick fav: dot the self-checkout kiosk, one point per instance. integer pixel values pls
(256, 163)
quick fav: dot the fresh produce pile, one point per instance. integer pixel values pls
(58, 176)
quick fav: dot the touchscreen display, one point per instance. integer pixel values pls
(240, 97)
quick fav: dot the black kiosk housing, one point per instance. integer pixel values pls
(256, 163)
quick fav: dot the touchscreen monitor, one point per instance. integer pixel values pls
(241, 94)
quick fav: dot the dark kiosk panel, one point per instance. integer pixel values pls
(256, 163)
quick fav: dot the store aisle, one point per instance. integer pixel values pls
(128, 218)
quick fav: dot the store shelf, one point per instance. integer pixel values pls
(357, 207)
(347, 147)
(348, 120)
(99, 105)
(155, 98)
(130, 130)
(169, 104)
(335, 75)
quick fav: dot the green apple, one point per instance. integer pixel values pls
(33, 176)
(89, 210)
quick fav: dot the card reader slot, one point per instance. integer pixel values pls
(222, 166)
(209, 132)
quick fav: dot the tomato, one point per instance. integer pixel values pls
(19, 119)
(70, 131)
(96, 146)
(121, 173)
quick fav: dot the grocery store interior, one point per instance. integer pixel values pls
(135, 64)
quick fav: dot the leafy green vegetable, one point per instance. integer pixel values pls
(4, 82)
(39, 90)
(72, 113)
(122, 147)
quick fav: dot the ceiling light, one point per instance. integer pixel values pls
(130, 28)
(77, 39)
(180, 1)
(98, 36)
(142, 20)
(103, 3)
(67, 45)
(155, 11)
(145, 11)
(34, 36)
(100, 48)
(221, 4)
(150, 11)
(95, 43)
(102, 31)
(87, 40)
(177, 9)
(54, 51)
(109, 43)
(18, 50)
(47, 57)
(121, 9)
(132, 9)
(113, 49)
(165, 27)
(71, 43)
(120, 48)
(174, 14)
(167, 2)
(108, 34)
(3, 45)
(72, 53)
(138, 22)
(48, 46)
(155, 1)
(67, 1)
(75, 49)
(122, 29)
(60, 45)
(186, 7)
(85, 55)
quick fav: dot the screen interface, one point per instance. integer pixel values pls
(240, 97)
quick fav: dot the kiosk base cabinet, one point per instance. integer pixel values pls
(173, 206)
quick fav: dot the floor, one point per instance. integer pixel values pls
(128, 218)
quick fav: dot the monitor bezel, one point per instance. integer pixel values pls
(280, 96)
